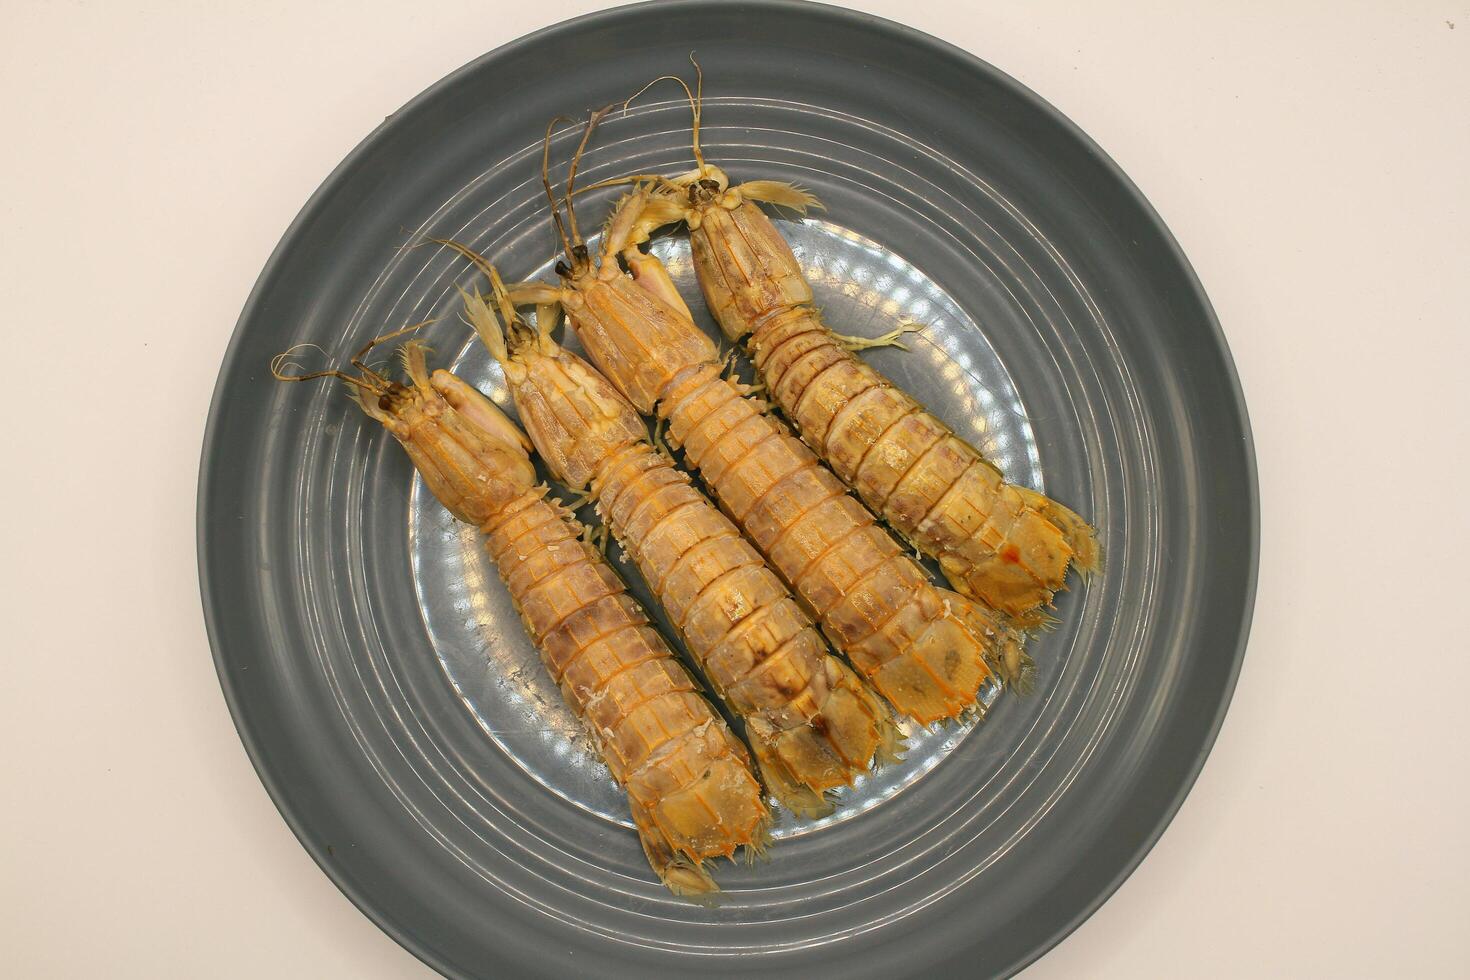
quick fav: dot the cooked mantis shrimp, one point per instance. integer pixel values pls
(995, 541)
(813, 724)
(690, 788)
(925, 649)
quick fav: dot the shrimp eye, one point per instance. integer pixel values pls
(394, 393)
(702, 190)
(562, 269)
(580, 252)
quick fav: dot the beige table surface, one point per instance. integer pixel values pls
(1312, 159)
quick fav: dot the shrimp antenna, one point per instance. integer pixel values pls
(478, 313)
(282, 361)
(561, 231)
(357, 359)
(502, 333)
(619, 181)
(479, 261)
(503, 300)
(592, 122)
(696, 106)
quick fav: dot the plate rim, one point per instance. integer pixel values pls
(278, 795)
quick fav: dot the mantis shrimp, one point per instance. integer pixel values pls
(927, 650)
(998, 542)
(690, 788)
(812, 723)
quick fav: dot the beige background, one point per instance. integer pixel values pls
(1313, 160)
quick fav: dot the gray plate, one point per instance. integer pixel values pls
(395, 709)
